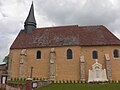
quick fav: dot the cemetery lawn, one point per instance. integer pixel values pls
(63, 86)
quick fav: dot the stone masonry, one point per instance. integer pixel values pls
(82, 68)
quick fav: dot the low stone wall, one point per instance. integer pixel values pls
(13, 86)
(43, 83)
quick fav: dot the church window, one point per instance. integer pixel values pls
(69, 54)
(95, 55)
(116, 53)
(38, 55)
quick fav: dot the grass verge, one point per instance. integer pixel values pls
(17, 82)
(64, 86)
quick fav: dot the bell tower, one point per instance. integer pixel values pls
(30, 22)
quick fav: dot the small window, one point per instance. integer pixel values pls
(116, 53)
(69, 54)
(95, 55)
(38, 55)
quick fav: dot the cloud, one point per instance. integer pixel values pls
(89, 12)
(6, 39)
(81, 12)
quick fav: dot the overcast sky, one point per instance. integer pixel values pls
(54, 13)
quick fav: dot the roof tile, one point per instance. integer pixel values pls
(65, 36)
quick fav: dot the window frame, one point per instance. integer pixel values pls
(38, 54)
(69, 54)
(116, 53)
(94, 54)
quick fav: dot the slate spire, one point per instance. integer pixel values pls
(30, 22)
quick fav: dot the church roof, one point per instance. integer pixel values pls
(65, 36)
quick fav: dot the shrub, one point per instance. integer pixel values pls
(11, 79)
(118, 81)
(40, 79)
(37, 78)
(15, 79)
(60, 81)
(113, 81)
(74, 81)
(67, 81)
(43, 78)
(34, 78)
(77, 81)
(63, 81)
(24, 79)
(21, 79)
(70, 81)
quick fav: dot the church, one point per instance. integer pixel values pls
(86, 53)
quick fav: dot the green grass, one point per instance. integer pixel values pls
(81, 87)
(17, 82)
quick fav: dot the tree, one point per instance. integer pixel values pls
(6, 60)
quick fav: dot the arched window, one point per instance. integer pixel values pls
(38, 55)
(69, 54)
(116, 53)
(95, 55)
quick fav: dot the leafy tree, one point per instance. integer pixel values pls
(6, 60)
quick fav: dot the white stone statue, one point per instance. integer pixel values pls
(23, 52)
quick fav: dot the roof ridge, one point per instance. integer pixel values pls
(69, 26)
(58, 26)
(93, 26)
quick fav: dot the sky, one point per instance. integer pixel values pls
(56, 13)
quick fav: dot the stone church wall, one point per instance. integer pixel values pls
(65, 69)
